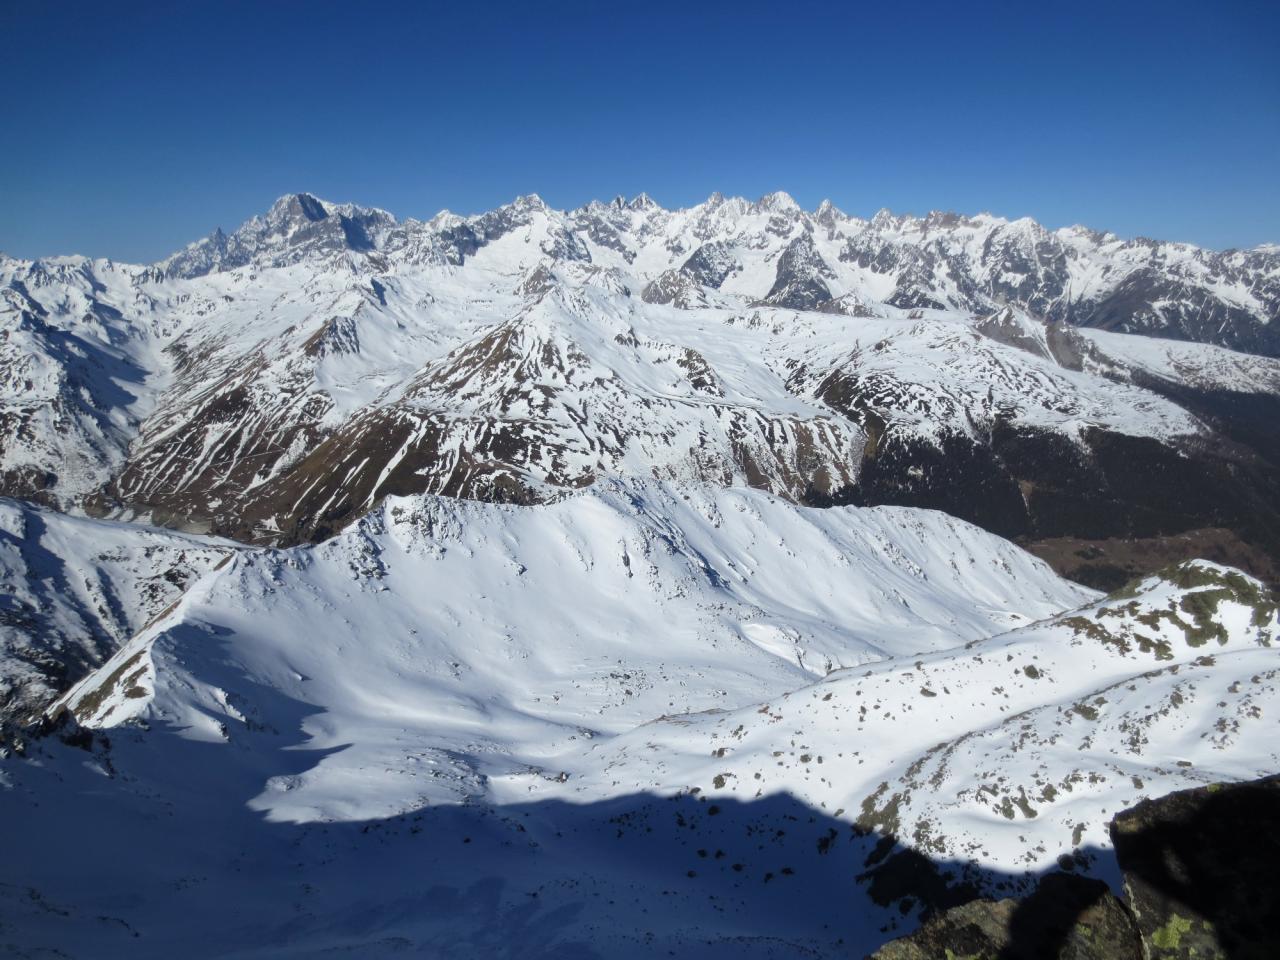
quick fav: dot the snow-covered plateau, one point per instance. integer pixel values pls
(730, 582)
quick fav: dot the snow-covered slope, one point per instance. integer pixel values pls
(1007, 751)
(496, 637)
(592, 610)
(77, 375)
(73, 590)
(638, 718)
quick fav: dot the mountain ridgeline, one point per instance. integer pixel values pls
(1112, 404)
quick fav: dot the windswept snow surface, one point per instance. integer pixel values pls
(639, 719)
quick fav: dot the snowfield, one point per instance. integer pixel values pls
(639, 718)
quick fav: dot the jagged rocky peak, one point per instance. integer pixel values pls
(829, 215)
(529, 202)
(885, 218)
(801, 280)
(297, 227)
(940, 261)
(778, 202)
(298, 208)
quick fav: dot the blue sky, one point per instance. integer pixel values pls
(134, 128)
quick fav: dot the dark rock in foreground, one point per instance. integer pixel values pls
(1200, 882)
(1200, 871)
(1068, 917)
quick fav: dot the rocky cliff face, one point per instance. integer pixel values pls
(1067, 918)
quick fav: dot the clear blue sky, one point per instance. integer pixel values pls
(131, 129)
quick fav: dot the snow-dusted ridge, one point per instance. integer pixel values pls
(74, 590)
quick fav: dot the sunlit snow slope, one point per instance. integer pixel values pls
(640, 718)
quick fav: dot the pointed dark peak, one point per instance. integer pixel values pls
(642, 202)
(311, 208)
(298, 208)
(885, 218)
(801, 277)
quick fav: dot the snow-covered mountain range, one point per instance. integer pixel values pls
(735, 581)
(275, 383)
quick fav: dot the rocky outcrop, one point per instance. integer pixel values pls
(1067, 918)
(1200, 871)
(801, 280)
(1199, 881)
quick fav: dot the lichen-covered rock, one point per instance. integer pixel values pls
(1067, 918)
(1200, 871)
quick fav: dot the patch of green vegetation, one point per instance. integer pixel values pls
(884, 819)
(1196, 613)
(1170, 935)
(1160, 648)
(1202, 605)
(1028, 811)
(1083, 626)
(1188, 575)
(1226, 585)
